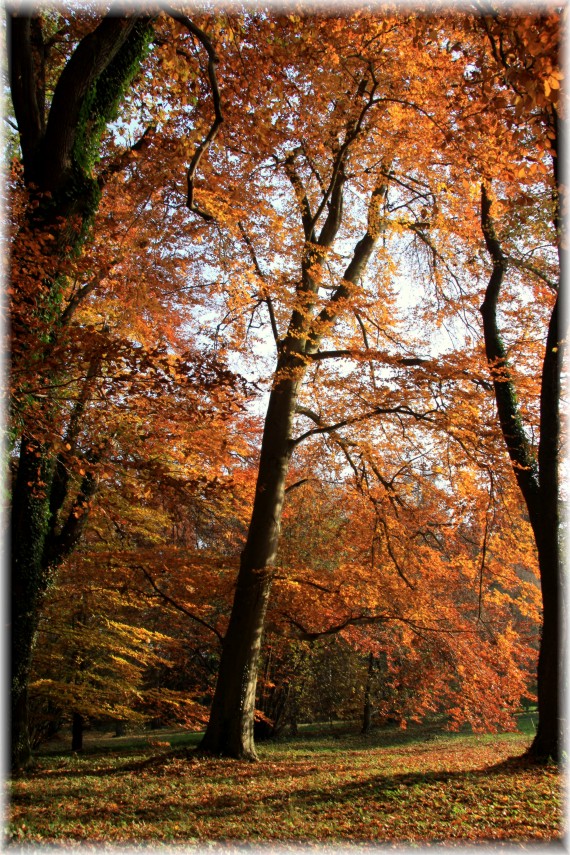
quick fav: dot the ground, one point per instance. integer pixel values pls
(409, 787)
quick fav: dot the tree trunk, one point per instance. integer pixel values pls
(120, 728)
(546, 743)
(29, 579)
(538, 480)
(77, 732)
(230, 728)
(367, 710)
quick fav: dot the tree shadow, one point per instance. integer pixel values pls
(393, 794)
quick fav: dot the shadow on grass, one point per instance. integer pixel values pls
(85, 771)
(325, 740)
(388, 795)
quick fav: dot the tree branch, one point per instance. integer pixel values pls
(84, 292)
(359, 620)
(356, 267)
(178, 606)
(530, 268)
(307, 218)
(25, 85)
(520, 453)
(92, 56)
(377, 411)
(265, 294)
(213, 60)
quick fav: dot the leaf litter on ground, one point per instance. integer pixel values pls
(448, 788)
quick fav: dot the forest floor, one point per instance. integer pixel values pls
(330, 787)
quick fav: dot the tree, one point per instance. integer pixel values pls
(527, 52)
(537, 477)
(131, 631)
(68, 76)
(456, 636)
(318, 170)
(392, 150)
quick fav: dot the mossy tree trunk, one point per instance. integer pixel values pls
(58, 146)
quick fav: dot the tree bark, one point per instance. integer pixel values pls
(230, 727)
(28, 582)
(77, 732)
(547, 741)
(538, 480)
(51, 144)
(367, 709)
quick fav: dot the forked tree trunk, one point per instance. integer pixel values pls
(230, 728)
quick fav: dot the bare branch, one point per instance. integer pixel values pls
(358, 620)
(218, 117)
(265, 294)
(178, 606)
(392, 555)
(399, 409)
(297, 484)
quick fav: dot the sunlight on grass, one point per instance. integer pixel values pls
(390, 786)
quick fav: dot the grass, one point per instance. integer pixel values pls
(390, 786)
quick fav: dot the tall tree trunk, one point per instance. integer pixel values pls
(538, 480)
(28, 582)
(230, 728)
(546, 743)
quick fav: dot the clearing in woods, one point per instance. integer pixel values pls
(390, 786)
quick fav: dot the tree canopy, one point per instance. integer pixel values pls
(286, 348)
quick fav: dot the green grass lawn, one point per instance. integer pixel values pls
(328, 787)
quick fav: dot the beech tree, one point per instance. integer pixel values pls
(319, 187)
(332, 218)
(68, 76)
(425, 566)
(517, 78)
(401, 189)
(529, 61)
